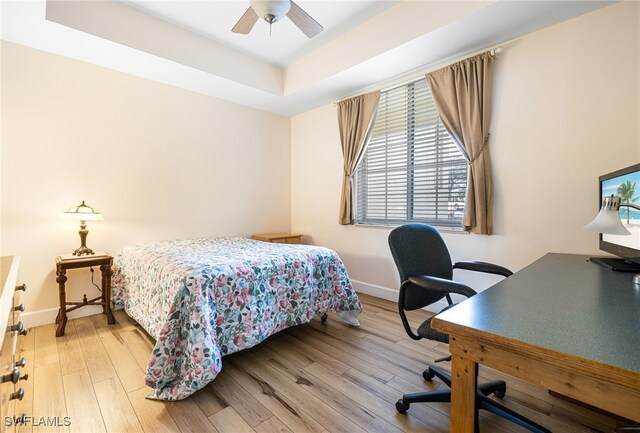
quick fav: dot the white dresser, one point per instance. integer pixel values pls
(10, 367)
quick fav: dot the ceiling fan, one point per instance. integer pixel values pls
(274, 10)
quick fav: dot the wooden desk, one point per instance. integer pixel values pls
(562, 323)
(63, 263)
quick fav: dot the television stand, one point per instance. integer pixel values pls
(618, 265)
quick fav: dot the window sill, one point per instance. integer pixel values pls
(441, 229)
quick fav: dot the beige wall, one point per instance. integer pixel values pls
(162, 162)
(157, 161)
(566, 110)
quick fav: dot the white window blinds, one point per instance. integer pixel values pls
(412, 171)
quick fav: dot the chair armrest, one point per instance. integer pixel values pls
(435, 285)
(442, 285)
(487, 268)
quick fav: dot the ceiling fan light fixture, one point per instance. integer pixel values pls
(274, 10)
(271, 10)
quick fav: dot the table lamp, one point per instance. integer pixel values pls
(608, 222)
(83, 213)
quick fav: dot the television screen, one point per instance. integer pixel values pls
(625, 184)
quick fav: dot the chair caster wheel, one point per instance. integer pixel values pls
(401, 406)
(324, 318)
(500, 393)
(428, 375)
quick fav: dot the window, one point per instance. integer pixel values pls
(412, 171)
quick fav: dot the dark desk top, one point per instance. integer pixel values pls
(565, 303)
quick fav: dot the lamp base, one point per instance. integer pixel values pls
(619, 265)
(83, 251)
(83, 232)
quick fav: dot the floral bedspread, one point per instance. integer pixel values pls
(202, 299)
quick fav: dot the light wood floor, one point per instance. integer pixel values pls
(315, 377)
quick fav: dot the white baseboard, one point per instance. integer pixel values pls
(377, 291)
(31, 319)
(390, 294)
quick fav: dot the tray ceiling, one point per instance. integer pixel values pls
(214, 20)
(189, 44)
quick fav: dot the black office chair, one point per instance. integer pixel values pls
(426, 273)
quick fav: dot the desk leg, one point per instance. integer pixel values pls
(61, 320)
(106, 293)
(463, 394)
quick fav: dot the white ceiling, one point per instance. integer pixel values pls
(188, 44)
(214, 20)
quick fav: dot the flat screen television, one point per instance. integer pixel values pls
(624, 183)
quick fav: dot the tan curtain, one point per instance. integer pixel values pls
(355, 120)
(462, 93)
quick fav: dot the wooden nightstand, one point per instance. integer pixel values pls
(280, 238)
(68, 261)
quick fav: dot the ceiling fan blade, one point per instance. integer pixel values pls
(303, 21)
(246, 22)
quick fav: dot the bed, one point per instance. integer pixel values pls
(202, 299)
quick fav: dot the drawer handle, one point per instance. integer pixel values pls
(18, 395)
(25, 377)
(17, 327)
(23, 332)
(22, 287)
(14, 376)
(19, 308)
(21, 362)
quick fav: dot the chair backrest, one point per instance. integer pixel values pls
(418, 249)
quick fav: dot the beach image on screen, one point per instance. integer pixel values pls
(627, 187)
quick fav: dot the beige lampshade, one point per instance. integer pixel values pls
(83, 212)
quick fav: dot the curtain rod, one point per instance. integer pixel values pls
(413, 75)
